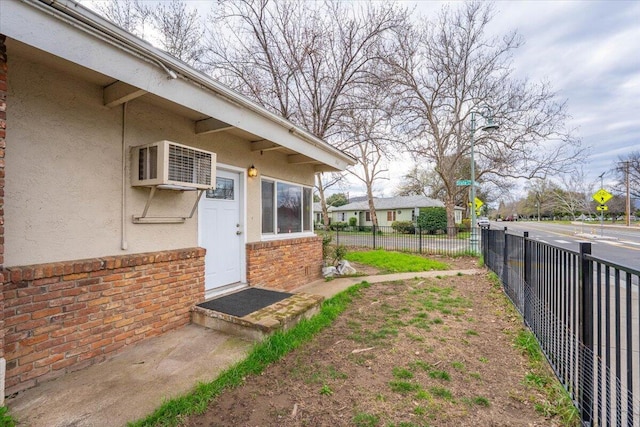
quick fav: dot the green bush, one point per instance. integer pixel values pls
(405, 227)
(338, 226)
(353, 221)
(465, 225)
(432, 220)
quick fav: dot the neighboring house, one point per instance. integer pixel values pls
(95, 253)
(388, 210)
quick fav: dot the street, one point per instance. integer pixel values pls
(617, 244)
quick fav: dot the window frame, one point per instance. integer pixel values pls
(275, 235)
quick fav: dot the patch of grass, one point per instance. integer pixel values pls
(325, 390)
(402, 373)
(471, 332)
(374, 338)
(263, 354)
(396, 262)
(557, 401)
(363, 419)
(403, 386)
(458, 366)
(415, 338)
(441, 392)
(421, 364)
(483, 359)
(424, 395)
(5, 419)
(439, 375)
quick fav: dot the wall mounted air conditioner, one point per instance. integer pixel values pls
(168, 165)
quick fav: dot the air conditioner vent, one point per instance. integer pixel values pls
(172, 165)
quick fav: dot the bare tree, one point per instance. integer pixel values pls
(302, 60)
(628, 163)
(130, 15)
(448, 69)
(181, 31)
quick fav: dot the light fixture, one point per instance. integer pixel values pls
(252, 171)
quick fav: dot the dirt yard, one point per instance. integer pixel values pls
(423, 352)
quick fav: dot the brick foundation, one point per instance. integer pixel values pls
(284, 264)
(64, 316)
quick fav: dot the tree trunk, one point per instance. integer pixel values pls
(323, 201)
(372, 208)
(450, 205)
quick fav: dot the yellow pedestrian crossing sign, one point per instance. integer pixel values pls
(478, 203)
(602, 208)
(602, 196)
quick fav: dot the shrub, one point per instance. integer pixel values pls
(353, 221)
(433, 219)
(338, 226)
(405, 227)
(465, 225)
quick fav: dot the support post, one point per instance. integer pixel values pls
(586, 334)
(526, 251)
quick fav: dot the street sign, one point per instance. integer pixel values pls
(602, 208)
(463, 182)
(479, 203)
(602, 196)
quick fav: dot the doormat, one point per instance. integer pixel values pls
(244, 302)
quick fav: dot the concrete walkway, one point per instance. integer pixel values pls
(135, 382)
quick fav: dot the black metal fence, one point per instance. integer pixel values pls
(585, 313)
(414, 239)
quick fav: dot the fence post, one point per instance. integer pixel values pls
(373, 228)
(586, 333)
(505, 261)
(419, 239)
(527, 277)
(337, 234)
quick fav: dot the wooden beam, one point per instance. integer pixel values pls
(211, 125)
(265, 146)
(118, 93)
(299, 159)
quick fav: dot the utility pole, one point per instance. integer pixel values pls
(601, 210)
(628, 194)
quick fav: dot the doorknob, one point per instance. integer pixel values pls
(238, 232)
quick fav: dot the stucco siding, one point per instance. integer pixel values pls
(63, 182)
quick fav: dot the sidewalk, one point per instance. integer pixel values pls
(135, 382)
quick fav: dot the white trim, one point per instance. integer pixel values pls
(286, 236)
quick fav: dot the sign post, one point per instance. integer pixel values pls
(602, 196)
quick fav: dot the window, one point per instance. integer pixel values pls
(341, 216)
(286, 208)
(391, 215)
(223, 190)
(368, 216)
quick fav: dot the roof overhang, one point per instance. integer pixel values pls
(69, 31)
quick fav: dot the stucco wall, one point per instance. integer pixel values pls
(64, 183)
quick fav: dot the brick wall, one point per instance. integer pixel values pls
(284, 264)
(64, 316)
(3, 128)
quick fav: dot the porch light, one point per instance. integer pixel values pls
(252, 172)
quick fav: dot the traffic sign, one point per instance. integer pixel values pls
(602, 208)
(602, 196)
(463, 182)
(478, 203)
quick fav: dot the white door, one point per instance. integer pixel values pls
(221, 232)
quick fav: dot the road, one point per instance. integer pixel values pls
(617, 244)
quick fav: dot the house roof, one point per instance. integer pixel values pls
(128, 67)
(400, 202)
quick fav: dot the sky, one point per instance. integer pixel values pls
(590, 53)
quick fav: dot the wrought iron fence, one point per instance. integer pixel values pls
(412, 239)
(585, 313)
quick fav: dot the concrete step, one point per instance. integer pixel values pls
(258, 325)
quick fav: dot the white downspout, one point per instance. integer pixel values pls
(123, 218)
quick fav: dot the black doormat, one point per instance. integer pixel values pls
(245, 301)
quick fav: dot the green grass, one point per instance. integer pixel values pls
(5, 419)
(365, 420)
(262, 355)
(396, 262)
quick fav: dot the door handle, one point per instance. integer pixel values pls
(238, 232)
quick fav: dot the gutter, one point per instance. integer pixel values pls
(107, 31)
